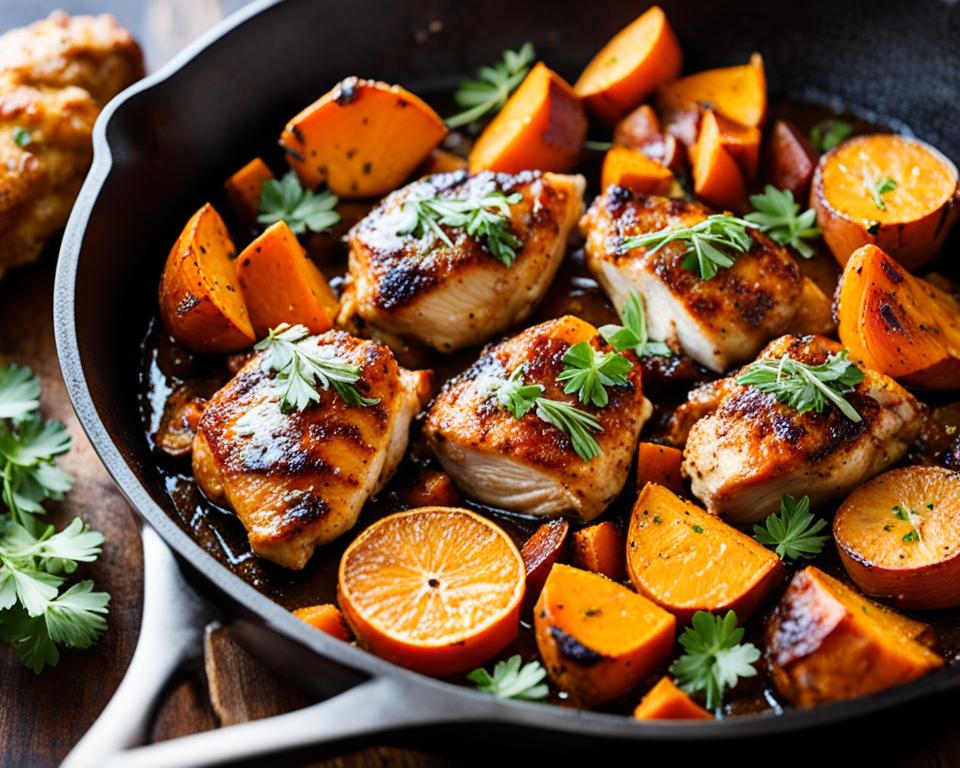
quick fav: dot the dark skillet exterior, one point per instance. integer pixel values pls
(167, 140)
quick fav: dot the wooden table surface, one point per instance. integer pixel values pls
(41, 717)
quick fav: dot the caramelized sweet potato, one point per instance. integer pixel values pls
(200, 302)
(894, 192)
(899, 537)
(641, 56)
(282, 285)
(640, 129)
(441, 161)
(599, 548)
(741, 142)
(667, 702)
(814, 312)
(632, 169)
(363, 138)
(327, 618)
(431, 488)
(597, 638)
(825, 642)
(243, 190)
(899, 324)
(687, 560)
(717, 179)
(545, 547)
(541, 127)
(659, 464)
(789, 159)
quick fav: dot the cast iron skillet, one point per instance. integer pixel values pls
(181, 131)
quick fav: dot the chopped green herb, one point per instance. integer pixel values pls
(827, 134)
(597, 146)
(779, 216)
(909, 515)
(489, 91)
(589, 373)
(911, 536)
(697, 528)
(286, 200)
(633, 333)
(512, 681)
(793, 534)
(878, 188)
(22, 137)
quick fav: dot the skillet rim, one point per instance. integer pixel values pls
(475, 707)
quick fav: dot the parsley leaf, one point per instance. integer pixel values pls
(807, 387)
(633, 333)
(827, 134)
(589, 373)
(512, 681)
(302, 209)
(300, 372)
(22, 137)
(878, 188)
(492, 87)
(905, 512)
(779, 216)
(794, 533)
(715, 659)
(712, 244)
(19, 392)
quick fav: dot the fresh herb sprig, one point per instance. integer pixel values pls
(827, 134)
(807, 387)
(633, 334)
(714, 658)
(301, 371)
(793, 534)
(510, 680)
(878, 188)
(486, 218)
(589, 373)
(909, 515)
(35, 561)
(778, 216)
(302, 209)
(488, 92)
(22, 137)
(519, 398)
(711, 244)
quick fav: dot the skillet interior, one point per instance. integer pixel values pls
(172, 142)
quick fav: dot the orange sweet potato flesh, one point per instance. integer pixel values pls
(741, 142)
(541, 127)
(917, 215)
(441, 161)
(717, 179)
(632, 169)
(641, 56)
(597, 638)
(687, 560)
(431, 488)
(599, 548)
(363, 138)
(899, 324)
(667, 702)
(327, 618)
(640, 129)
(659, 464)
(282, 285)
(200, 301)
(814, 313)
(914, 563)
(243, 190)
(789, 159)
(826, 642)
(545, 547)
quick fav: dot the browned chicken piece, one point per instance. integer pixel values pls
(719, 322)
(299, 480)
(453, 297)
(527, 465)
(751, 450)
(55, 76)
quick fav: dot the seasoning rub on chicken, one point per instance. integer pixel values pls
(296, 471)
(451, 260)
(719, 322)
(749, 449)
(526, 463)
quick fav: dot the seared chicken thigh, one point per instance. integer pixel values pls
(751, 450)
(719, 322)
(525, 464)
(452, 297)
(298, 480)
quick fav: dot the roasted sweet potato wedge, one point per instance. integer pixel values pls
(667, 702)
(243, 190)
(547, 545)
(597, 638)
(687, 560)
(599, 548)
(327, 618)
(200, 302)
(741, 142)
(659, 464)
(640, 129)
(632, 169)
(825, 642)
(717, 178)
(441, 161)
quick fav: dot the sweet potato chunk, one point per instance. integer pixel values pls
(641, 56)
(687, 560)
(717, 179)
(541, 127)
(659, 464)
(598, 639)
(545, 547)
(282, 285)
(599, 548)
(632, 169)
(894, 192)
(431, 488)
(899, 537)
(200, 302)
(327, 618)
(667, 702)
(640, 129)
(243, 190)
(363, 138)
(814, 312)
(825, 642)
(899, 324)
(741, 142)
(789, 159)
(441, 161)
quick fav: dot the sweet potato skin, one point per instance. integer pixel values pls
(327, 618)
(667, 702)
(600, 548)
(548, 545)
(243, 190)
(659, 464)
(640, 129)
(789, 159)
(200, 303)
